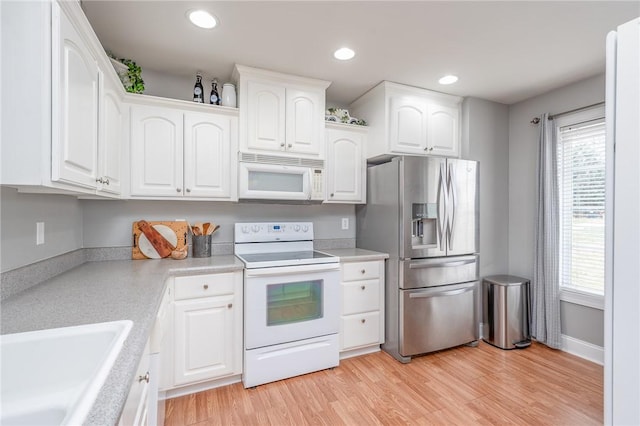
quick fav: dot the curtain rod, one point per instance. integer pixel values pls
(536, 120)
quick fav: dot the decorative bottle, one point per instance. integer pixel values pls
(214, 99)
(198, 91)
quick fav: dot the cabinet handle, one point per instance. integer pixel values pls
(188, 189)
(107, 181)
(206, 286)
(178, 189)
(363, 271)
(99, 180)
(363, 320)
(362, 287)
(230, 305)
(144, 378)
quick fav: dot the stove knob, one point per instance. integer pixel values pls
(296, 228)
(255, 228)
(305, 228)
(245, 229)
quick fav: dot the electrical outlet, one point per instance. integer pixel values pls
(345, 223)
(39, 233)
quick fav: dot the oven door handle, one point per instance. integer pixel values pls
(289, 270)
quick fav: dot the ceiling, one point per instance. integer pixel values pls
(502, 51)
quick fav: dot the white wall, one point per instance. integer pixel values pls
(19, 213)
(577, 321)
(108, 223)
(485, 138)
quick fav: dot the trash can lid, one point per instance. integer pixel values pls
(506, 280)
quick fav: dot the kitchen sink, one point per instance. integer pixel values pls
(54, 376)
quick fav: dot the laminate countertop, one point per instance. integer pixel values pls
(356, 254)
(106, 291)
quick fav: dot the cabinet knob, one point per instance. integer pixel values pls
(99, 180)
(431, 149)
(363, 271)
(332, 194)
(206, 286)
(363, 320)
(107, 181)
(289, 146)
(230, 305)
(426, 148)
(178, 189)
(362, 287)
(188, 189)
(144, 378)
(282, 144)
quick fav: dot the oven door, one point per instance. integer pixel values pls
(289, 303)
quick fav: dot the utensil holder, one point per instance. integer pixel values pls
(201, 245)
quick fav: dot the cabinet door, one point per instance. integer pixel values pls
(407, 125)
(135, 409)
(110, 143)
(304, 121)
(265, 116)
(207, 155)
(444, 125)
(156, 151)
(204, 338)
(75, 141)
(345, 167)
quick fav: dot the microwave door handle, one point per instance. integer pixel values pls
(310, 191)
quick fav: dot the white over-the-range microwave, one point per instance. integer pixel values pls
(270, 177)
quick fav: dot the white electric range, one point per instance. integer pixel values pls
(291, 301)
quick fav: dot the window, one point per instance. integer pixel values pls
(581, 181)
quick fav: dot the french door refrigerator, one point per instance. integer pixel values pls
(423, 212)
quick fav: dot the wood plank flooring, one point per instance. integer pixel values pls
(460, 386)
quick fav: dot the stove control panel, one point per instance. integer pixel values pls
(273, 231)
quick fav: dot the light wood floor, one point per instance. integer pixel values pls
(483, 385)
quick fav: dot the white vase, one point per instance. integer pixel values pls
(229, 95)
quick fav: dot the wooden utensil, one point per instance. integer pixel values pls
(162, 246)
(212, 229)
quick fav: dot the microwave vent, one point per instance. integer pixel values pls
(284, 161)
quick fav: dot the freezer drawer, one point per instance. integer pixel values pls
(419, 273)
(432, 319)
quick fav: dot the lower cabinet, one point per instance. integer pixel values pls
(206, 331)
(136, 408)
(362, 314)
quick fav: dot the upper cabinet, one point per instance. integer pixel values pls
(61, 100)
(346, 164)
(409, 120)
(179, 149)
(280, 113)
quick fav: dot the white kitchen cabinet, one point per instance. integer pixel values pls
(346, 164)
(280, 113)
(136, 408)
(56, 96)
(184, 151)
(409, 120)
(362, 314)
(206, 333)
(110, 140)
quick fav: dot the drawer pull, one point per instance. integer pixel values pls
(206, 286)
(144, 378)
(362, 287)
(363, 320)
(363, 271)
(230, 305)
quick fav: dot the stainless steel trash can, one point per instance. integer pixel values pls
(506, 311)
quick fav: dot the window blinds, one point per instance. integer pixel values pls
(581, 178)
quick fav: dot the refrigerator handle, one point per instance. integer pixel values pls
(451, 189)
(442, 204)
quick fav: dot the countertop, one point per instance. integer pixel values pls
(356, 254)
(106, 291)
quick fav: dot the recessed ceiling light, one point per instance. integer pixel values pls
(448, 79)
(202, 19)
(344, 54)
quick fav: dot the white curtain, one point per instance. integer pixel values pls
(545, 316)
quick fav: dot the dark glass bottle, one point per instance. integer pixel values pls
(198, 91)
(214, 99)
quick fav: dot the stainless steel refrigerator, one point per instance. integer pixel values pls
(423, 212)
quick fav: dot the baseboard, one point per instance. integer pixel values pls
(198, 387)
(583, 349)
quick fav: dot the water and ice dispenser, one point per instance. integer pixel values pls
(424, 225)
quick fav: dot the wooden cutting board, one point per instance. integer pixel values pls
(174, 232)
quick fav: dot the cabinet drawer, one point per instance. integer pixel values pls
(360, 296)
(359, 330)
(352, 271)
(195, 286)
